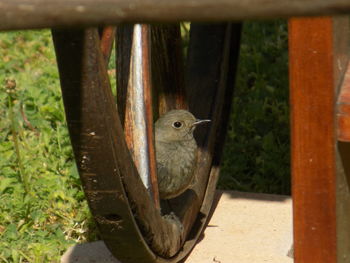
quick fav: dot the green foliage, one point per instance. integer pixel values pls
(42, 207)
(256, 156)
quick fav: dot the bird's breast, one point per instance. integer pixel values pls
(175, 166)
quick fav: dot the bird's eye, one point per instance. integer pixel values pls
(177, 124)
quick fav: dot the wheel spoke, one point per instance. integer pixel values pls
(138, 125)
(168, 68)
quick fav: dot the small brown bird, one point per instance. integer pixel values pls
(176, 151)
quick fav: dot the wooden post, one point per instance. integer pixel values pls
(318, 58)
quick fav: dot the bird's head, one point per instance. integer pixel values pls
(176, 125)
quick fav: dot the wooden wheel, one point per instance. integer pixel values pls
(129, 221)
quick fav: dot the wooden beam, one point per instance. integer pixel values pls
(313, 139)
(24, 14)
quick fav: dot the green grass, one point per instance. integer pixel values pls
(256, 156)
(42, 206)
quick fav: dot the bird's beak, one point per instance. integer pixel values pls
(200, 122)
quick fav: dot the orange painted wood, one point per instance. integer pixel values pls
(312, 97)
(343, 109)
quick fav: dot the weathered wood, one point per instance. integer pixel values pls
(24, 14)
(148, 100)
(313, 139)
(107, 35)
(168, 68)
(138, 125)
(112, 185)
(123, 53)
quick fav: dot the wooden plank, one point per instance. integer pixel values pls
(312, 96)
(24, 14)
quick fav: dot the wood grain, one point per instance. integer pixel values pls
(138, 125)
(148, 101)
(312, 96)
(123, 53)
(168, 68)
(24, 14)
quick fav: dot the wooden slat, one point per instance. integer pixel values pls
(24, 14)
(313, 139)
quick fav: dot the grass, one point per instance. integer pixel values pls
(256, 155)
(42, 206)
(43, 209)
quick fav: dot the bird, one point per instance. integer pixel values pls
(176, 152)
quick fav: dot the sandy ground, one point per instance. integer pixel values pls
(245, 228)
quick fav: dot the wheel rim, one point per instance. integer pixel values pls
(129, 223)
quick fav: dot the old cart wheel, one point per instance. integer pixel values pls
(130, 223)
